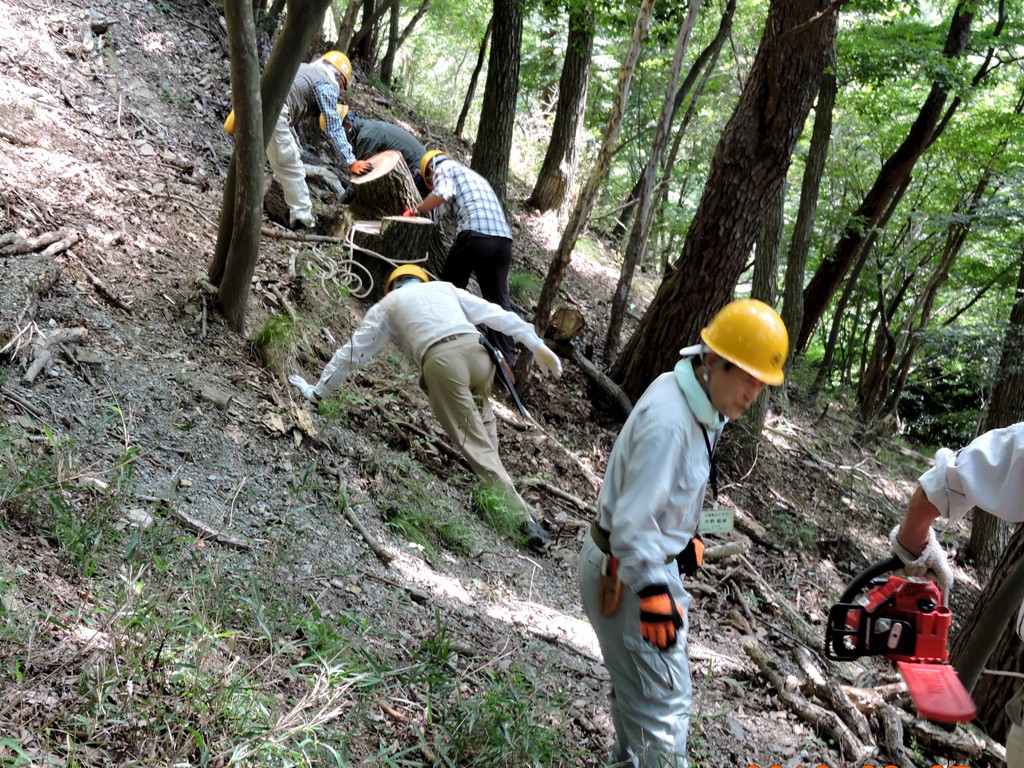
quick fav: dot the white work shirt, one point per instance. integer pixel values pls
(987, 473)
(415, 317)
(654, 485)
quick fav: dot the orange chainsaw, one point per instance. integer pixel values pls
(906, 622)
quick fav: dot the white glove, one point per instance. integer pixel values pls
(932, 561)
(548, 361)
(308, 390)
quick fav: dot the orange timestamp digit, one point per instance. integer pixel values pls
(864, 766)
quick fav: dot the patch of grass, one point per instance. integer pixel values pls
(276, 342)
(496, 508)
(525, 286)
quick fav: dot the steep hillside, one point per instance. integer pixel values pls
(198, 569)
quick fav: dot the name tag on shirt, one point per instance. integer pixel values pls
(715, 520)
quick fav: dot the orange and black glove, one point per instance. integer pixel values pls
(409, 213)
(691, 559)
(359, 167)
(660, 616)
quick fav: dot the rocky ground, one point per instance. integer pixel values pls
(109, 131)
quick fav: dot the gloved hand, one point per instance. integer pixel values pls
(660, 616)
(691, 559)
(359, 167)
(548, 361)
(932, 561)
(409, 212)
(308, 390)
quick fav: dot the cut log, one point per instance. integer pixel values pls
(387, 190)
(566, 324)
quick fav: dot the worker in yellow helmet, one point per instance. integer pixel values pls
(649, 511)
(315, 89)
(435, 325)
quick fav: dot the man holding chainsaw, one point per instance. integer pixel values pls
(649, 511)
(988, 473)
(433, 323)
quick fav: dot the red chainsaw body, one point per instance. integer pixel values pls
(920, 603)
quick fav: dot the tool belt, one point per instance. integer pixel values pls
(602, 539)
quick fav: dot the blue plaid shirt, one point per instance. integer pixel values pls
(474, 205)
(327, 100)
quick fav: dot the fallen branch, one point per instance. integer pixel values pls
(382, 554)
(31, 244)
(931, 739)
(584, 506)
(809, 637)
(19, 400)
(99, 285)
(892, 727)
(195, 524)
(595, 374)
(434, 440)
(818, 717)
(728, 549)
(829, 692)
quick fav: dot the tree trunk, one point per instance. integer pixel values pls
(380, 246)
(803, 229)
(987, 639)
(247, 164)
(461, 122)
(387, 190)
(642, 223)
(347, 25)
(362, 42)
(494, 135)
(990, 534)
(701, 69)
(300, 26)
(897, 168)
(577, 220)
(746, 172)
(554, 183)
(388, 64)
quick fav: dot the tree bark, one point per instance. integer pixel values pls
(746, 172)
(803, 229)
(460, 124)
(642, 223)
(247, 163)
(897, 168)
(987, 639)
(577, 220)
(554, 183)
(494, 135)
(300, 26)
(989, 534)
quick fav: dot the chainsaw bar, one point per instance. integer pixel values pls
(937, 692)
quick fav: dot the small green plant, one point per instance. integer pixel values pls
(497, 509)
(524, 286)
(275, 343)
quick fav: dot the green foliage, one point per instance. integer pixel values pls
(497, 509)
(276, 342)
(524, 287)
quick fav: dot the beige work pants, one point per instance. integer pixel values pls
(458, 376)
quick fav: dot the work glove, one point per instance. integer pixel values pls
(308, 390)
(548, 361)
(359, 167)
(691, 559)
(932, 561)
(409, 212)
(660, 616)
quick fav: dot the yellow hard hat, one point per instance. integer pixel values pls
(342, 111)
(425, 162)
(229, 124)
(402, 271)
(750, 334)
(340, 62)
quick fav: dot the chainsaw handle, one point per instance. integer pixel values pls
(871, 572)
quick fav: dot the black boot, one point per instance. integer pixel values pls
(537, 538)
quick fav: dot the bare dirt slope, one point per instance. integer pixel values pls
(110, 141)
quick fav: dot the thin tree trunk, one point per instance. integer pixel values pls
(558, 172)
(642, 224)
(388, 64)
(810, 189)
(577, 220)
(895, 170)
(461, 122)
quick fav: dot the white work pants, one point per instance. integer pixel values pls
(651, 691)
(286, 162)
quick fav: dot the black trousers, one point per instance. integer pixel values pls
(490, 259)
